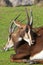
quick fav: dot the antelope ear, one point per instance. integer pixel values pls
(31, 18)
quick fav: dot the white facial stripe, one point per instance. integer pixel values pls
(8, 45)
(26, 36)
(29, 34)
(28, 39)
(37, 56)
(19, 39)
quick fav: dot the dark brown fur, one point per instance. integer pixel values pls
(24, 51)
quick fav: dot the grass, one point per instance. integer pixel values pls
(6, 15)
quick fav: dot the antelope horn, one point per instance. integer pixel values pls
(11, 29)
(31, 17)
(16, 17)
(28, 19)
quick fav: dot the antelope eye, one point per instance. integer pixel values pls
(9, 36)
(21, 27)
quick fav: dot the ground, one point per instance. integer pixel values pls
(6, 15)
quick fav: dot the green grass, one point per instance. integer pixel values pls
(6, 15)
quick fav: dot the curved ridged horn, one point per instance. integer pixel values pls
(31, 17)
(11, 29)
(17, 17)
(28, 19)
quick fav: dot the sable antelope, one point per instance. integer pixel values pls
(20, 26)
(25, 52)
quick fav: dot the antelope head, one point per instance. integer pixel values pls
(23, 32)
(10, 42)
